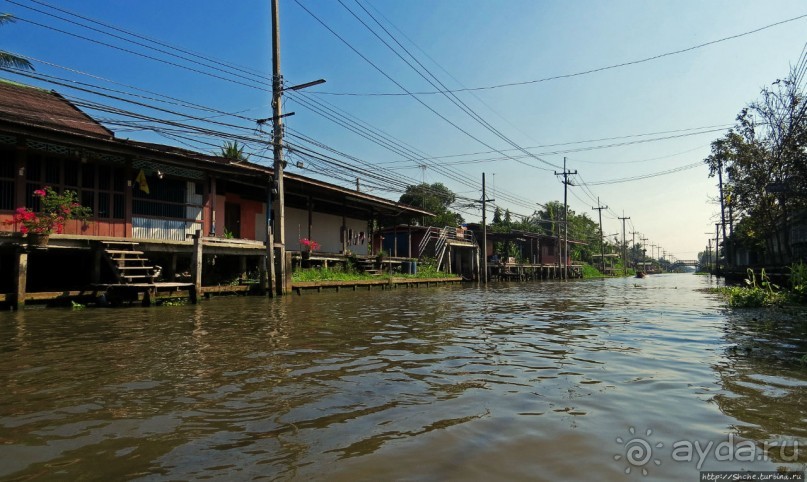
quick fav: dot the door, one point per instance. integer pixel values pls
(232, 219)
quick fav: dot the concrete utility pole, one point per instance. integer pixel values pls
(602, 244)
(722, 201)
(717, 248)
(633, 245)
(644, 251)
(278, 206)
(484, 202)
(566, 183)
(624, 246)
(278, 193)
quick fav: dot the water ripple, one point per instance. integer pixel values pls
(432, 384)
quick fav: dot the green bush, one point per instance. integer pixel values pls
(755, 294)
(798, 281)
(590, 271)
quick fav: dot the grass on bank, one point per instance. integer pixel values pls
(350, 273)
(591, 271)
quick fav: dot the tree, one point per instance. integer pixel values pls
(7, 59)
(764, 161)
(497, 216)
(231, 150)
(435, 198)
(549, 218)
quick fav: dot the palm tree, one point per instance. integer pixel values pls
(231, 150)
(8, 59)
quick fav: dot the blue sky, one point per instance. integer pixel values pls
(465, 44)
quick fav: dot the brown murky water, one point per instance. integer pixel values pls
(541, 381)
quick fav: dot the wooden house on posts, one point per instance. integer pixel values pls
(157, 198)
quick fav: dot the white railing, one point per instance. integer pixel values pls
(169, 229)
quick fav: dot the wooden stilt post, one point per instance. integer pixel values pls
(288, 274)
(263, 281)
(22, 280)
(196, 266)
(95, 278)
(242, 267)
(172, 268)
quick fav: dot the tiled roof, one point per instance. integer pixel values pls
(33, 106)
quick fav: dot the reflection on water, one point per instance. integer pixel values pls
(763, 375)
(521, 381)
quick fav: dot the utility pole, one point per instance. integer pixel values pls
(709, 256)
(602, 244)
(717, 248)
(722, 201)
(633, 244)
(644, 251)
(484, 202)
(624, 246)
(277, 191)
(279, 205)
(652, 254)
(566, 183)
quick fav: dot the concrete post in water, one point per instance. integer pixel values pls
(21, 280)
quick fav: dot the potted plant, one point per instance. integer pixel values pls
(54, 211)
(308, 246)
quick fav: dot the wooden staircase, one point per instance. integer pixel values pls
(127, 263)
(368, 266)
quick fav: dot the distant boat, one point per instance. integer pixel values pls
(640, 274)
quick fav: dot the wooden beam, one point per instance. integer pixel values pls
(287, 282)
(226, 289)
(128, 198)
(97, 253)
(196, 264)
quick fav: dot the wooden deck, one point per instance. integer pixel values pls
(146, 293)
(526, 271)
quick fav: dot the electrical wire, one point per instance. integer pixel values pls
(585, 72)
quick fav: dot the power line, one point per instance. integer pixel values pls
(157, 42)
(139, 54)
(646, 176)
(450, 96)
(700, 130)
(577, 74)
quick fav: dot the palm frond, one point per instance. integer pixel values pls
(10, 60)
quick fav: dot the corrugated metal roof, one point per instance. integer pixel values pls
(30, 105)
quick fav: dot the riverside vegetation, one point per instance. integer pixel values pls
(761, 292)
(349, 272)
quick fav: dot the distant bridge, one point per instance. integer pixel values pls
(686, 262)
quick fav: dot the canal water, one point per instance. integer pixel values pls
(585, 380)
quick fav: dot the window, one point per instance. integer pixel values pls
(99, 186)
(7, 179)
(165, 199)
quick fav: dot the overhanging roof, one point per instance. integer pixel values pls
(32, 112)
(34, 106)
